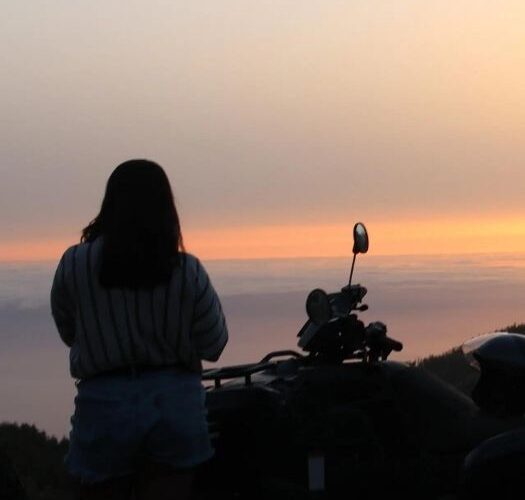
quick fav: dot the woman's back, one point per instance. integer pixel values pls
(175, 323)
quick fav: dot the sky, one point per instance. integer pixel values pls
(280, 123)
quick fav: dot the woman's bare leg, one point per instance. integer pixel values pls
(163, 482)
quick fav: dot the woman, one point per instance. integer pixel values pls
(139, 314)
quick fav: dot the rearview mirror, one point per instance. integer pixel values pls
(360, 238)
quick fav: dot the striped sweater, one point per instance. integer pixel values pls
(178, 323)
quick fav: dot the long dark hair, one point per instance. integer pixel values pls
(139, 226)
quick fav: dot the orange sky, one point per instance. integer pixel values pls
(436, 236)
(269, 117)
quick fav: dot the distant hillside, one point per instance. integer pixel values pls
(10, 485)
(37, 460)
(452, 367)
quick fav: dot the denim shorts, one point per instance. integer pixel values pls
(120, 421)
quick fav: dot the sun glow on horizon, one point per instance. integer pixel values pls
(399, 237)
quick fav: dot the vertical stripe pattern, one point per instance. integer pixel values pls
(82, 333)
(177, 323)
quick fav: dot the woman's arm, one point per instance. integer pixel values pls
(209, 331)
(62, 305)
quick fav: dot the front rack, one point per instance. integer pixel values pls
(246, 370)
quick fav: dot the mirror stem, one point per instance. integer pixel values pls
(352, 270)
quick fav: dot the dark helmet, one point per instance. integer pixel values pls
(500, 358)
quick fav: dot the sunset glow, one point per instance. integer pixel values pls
(418, 237)
(279, 124)
(424, 237)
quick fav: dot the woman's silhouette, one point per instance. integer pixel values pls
(139, 314)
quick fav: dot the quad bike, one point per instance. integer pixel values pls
(338, 420)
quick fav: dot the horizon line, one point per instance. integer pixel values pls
(304, 257)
